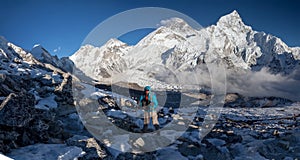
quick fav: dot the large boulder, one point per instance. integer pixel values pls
(17, 110)
(21, 124)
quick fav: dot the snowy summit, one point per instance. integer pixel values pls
(177, 46)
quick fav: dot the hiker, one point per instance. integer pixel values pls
(149, 103)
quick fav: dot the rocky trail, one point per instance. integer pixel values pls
(35, 119)
(240, 133)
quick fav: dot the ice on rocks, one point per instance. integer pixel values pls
(216, 142)
(116, 114)
(47, 103)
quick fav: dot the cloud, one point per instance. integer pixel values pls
(248, 83)
(265, 84)
(57, 49)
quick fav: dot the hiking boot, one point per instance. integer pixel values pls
(145, 128)
(156, 126)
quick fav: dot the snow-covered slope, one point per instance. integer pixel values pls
(246, 48)
(103, 61)
(175, 46)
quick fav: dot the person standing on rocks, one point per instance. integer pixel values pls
(149, 103)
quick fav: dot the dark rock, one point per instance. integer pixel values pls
(67, 64)
(7, 139)
(4, 147)
(5, 90)
(279, 148)
(107, 101)
(187, 149)
(45, 81)
(232, 138)
(64, 94)
(213, 152)
(8, 85)
(44, 91)
(29, 125)
(17, 110)
(169, 153)
(64, 110)
(126, 156)
(26, 140)
(14, 83)
(72, 123)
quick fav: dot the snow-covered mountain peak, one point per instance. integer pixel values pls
(177, 25)
(176, 45)
(230, 32)
(171, 33)
(36, 45)
(175, 22)
(234, 21)
(113, 42)
(233, 16)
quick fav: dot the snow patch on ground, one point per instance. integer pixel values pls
(46, 151)
(2, 157)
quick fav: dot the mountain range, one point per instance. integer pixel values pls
(172, 48)
(177, 47)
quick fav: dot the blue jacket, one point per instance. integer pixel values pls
(152, 97)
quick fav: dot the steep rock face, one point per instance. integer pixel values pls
(276, 54)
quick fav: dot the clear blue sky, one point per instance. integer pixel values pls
(62, 25)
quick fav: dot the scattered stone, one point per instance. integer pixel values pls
(279, 148)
